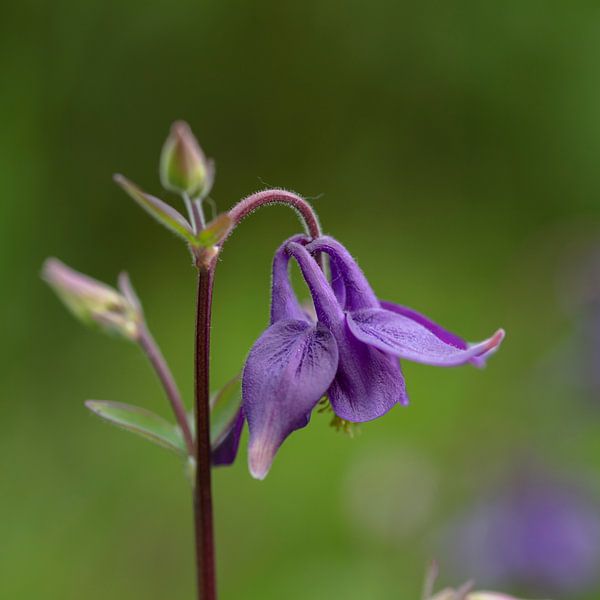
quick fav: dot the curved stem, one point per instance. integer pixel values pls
(152, 351)
(205, 551)
(305, 211)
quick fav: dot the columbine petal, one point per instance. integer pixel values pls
(337, 283)
(368, 383)
(357, 292)
(284, 303)
(227, 449)
(287, 372)
(404, 337)
(446, 336)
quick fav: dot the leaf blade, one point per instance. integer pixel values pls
(141, 422)
(164, 213)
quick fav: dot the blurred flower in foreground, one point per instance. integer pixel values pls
(462, 593)
(350, 354)
(94, 302)
(449, 594)
(537, 533)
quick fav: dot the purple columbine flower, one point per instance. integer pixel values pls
(350, 354)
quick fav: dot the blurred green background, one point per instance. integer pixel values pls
(452, 146)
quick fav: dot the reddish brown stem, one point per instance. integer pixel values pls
(305, 211)
(205, 547)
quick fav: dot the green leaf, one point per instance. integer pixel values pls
(161, 211)
(140, 421)
(224, 406)
(215, 232)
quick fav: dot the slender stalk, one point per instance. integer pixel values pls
(205, 550)
(195, 212)
(152, 351)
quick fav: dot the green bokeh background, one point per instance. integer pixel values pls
(452, 146)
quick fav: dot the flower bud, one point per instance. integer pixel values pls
(93, 302)
(183, 166)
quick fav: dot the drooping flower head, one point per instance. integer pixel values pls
(350, 354)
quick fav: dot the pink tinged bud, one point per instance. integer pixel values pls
(183, 166)
(93, 302)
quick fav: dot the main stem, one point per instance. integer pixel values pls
(205, 547)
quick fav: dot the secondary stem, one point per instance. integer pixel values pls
(205, 550)
(152, 351)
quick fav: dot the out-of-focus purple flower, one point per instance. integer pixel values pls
(536, 533)
(350, 354)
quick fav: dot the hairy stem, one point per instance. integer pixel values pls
(152, 351)
(305, 211)
(205, 549)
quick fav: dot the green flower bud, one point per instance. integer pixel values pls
(93, 302)
(183, 166)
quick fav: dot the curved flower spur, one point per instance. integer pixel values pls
(349, 354)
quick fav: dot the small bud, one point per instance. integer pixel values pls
(183, 166)
(93, 302)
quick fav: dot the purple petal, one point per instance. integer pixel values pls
(226, 451)
(368, 382)
(358, 292)
(437, 330)
(284, 303)
(327, 308)
(287, 372)
(404, 337)
(337, 283)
